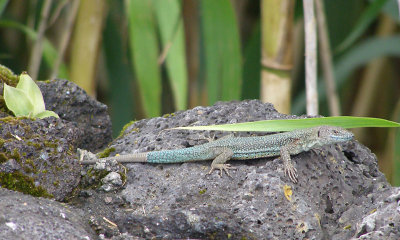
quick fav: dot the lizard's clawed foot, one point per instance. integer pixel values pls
(221, 168)
(291, 172)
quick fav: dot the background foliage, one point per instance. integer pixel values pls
(144, 58)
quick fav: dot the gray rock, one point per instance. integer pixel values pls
(381, 217)
(38, 158)
(341, 193)
(111, 181)
(338, 187)
(72, 103)
(26, 217)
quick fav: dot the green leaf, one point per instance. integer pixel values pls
(118, 70)
(357, 56)
(223, 59)
(144, 51)
(170, 24)
(17, 101)
(292, 124)
(362, 24)
(33, 92)
(252, 65)
(46, 114)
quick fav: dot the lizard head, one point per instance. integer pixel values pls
(332, 134)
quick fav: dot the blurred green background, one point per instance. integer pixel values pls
(145, 58)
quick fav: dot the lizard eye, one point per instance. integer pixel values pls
(335, 131)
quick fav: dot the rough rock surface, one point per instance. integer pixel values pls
(339, 187)
(340, 195)
(26, 217)
(72, 103)
(37, 157)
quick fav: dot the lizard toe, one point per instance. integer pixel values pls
(291, 172)
(222, 168)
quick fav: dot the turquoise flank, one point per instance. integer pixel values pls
(180, 155)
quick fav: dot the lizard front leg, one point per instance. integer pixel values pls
(289, 169)
(223, 155)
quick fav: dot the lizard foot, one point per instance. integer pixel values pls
(221, 168)
(291, 172)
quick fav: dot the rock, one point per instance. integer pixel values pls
(111, 181)
(37, 157)
(341, 194)
(72, 103)
(339, 186)
(26, 217)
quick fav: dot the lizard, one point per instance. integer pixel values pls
(241, 148)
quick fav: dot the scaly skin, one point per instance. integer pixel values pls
(240, 148)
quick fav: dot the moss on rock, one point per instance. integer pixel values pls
(22, 183)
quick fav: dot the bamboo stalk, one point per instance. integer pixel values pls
(311, 57)
(85, 42)
(277, 52)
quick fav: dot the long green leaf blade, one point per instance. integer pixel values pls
(118, 71)
(170, 25)
(222, 50)
(252, 66)
(292, 124)
(365, 20)
(144, 51)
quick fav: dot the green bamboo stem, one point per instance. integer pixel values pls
(276, 52)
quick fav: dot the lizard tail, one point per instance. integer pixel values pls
(128, 158)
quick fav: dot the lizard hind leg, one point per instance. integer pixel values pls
(223, 155)
(289, 169)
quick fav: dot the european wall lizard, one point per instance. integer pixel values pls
(241, 148)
